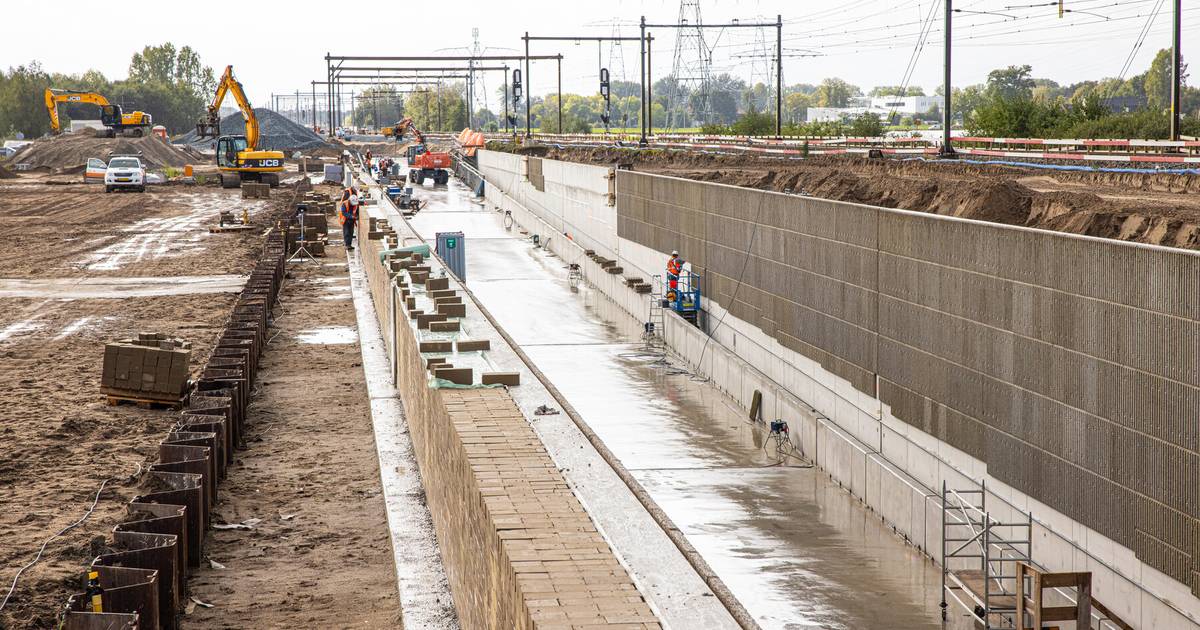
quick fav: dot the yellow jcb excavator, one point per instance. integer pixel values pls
(238, 157)
(114, 120)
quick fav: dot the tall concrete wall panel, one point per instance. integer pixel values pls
(1069, 366)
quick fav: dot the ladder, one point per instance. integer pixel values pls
(653, 334)
(980, 558)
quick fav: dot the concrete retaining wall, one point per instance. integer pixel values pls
(908, 350)
(519, 549)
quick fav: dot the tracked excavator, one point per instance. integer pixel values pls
(238, 157)
(422, 163)
(115, 121)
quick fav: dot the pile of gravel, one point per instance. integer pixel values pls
(276, 132)
(70, 151)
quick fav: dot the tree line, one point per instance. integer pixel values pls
(170, 84)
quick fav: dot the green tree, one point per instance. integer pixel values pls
(754, 123)
(1011, 82)
(21, 108)
(378, 106)
(834, 92)
(1156, 81)
(867, 125)
(438, 109)
(795, 106)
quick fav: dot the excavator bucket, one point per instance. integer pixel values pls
(209, 127)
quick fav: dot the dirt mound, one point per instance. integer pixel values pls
(70, 152)
(7, 174)
(276, 133)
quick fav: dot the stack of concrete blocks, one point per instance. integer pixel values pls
(251, 190)
(152, 367)
(316, 229)
(318, 203)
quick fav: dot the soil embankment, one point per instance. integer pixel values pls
(1156, 208)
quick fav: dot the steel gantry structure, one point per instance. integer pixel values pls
(590, 38)
(335, 65)
(647, 105)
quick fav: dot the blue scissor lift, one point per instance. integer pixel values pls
(685, 300)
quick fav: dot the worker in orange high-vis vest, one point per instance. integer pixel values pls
(674, 268)
(348, 216)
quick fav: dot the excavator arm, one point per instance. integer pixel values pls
(211, 125)
(405, 126)
(54, 97)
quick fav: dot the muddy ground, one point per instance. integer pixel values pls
(319, 555)
(1159, 208)
(60, 439)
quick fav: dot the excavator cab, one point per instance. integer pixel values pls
(110, 115)
(228, 148)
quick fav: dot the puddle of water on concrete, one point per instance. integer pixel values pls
(329, 335)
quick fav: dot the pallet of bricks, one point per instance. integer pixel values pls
(144, 576)
(151, 369)
(253, 190)
(317, 210)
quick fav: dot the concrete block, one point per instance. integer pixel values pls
(443, 326)
(453, 310)
(440, 293)
(425, 320)
(501, 378)
(474, 345)
(437, 284)
(436, 346)
(460, 376)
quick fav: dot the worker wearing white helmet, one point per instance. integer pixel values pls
(674, 268)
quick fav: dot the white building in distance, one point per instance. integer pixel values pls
(884, 106)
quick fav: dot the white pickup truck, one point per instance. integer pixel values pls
(125, 172)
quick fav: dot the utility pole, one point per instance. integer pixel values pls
(947, 117)
(778, 75)
(525, 80)
(1176, 69)
(506, 100)
(649, 84)
(642, 60)
(560, 127)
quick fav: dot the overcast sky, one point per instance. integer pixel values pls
(279, 47)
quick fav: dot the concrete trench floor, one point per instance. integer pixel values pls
(796, 549)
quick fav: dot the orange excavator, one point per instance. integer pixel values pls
(422, 163)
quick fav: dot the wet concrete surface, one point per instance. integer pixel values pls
(795, 548)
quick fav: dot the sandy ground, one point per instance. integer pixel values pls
(60, 439)
(319, 555)
(1157, 208)
(78, 229)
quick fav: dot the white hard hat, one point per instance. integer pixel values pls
(674, 253)
(353, 199)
